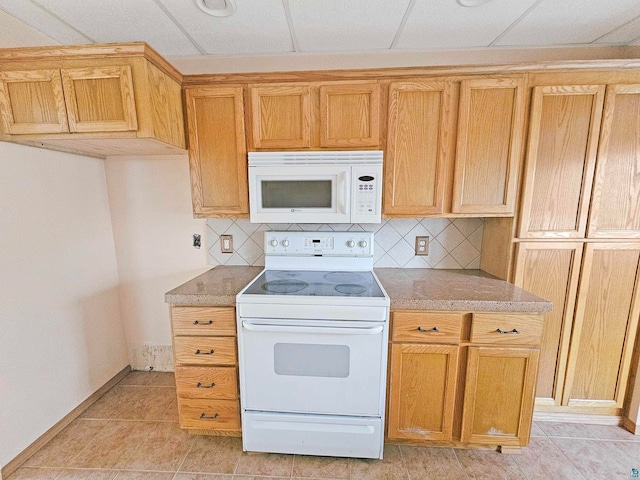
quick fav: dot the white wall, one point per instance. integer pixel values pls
(61, 332)
(153, 225)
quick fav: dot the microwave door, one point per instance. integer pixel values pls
(299, 196)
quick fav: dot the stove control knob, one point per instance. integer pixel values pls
(351, 244)
(285, 243)
(362, 243)
(273, 243)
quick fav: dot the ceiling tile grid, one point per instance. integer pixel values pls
(178, 28)
(568, 22)
(339, 25)
(446, 24)
(257, 26)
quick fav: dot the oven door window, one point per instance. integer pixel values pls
(309, 360)
(298, 369)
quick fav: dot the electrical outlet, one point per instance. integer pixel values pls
(226, 243)
(422, 245)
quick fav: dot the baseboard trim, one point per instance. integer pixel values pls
(46, 437)
(577, 418)
(627, 425)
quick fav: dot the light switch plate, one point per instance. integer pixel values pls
(422, 245)
(226, 243)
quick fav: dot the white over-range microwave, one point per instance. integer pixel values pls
(315, 187)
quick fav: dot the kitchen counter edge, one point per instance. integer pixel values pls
(408, 289)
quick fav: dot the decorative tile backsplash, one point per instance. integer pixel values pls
(453, 243)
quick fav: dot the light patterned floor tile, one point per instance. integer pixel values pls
(265, 464)
(488, 465)
(213, 455)
(320, 467)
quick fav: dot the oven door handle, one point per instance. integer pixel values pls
(303, 329)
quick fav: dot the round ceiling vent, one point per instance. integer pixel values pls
(217, 8)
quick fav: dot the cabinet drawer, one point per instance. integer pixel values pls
(203, 321)
(426, 327)
(504, 329)
(209, 414)
(207, 382)
(205, 350)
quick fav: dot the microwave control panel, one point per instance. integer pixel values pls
(366, 194)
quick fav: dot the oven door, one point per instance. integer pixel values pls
(313, 367)
(299, 194)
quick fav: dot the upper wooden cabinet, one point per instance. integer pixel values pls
(421, 125)
(561, 157)
(489, 141)
(280, 115)
(615, 206)
(315, 115)
(96, 100)
(217, 151)
(350, 115)
(32, 102)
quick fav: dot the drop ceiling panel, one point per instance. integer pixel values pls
(123, 21)
(445, 24)
(257, 26)
(44, 22)
(16, 33)
(620, 36)
(339, 25)
(570, 22)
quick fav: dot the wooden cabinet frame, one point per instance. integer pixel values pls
(401, 179)
(76, 107)
(44, 83)
(532, 166)
(470, 143)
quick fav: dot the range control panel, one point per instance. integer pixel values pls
(359, 244)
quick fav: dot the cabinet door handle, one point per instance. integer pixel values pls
(197, 322)
(434, 330)
(203, 416)
(506, 332)
(200, 352)
(200, 385)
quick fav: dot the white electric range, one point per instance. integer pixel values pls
(312, 339)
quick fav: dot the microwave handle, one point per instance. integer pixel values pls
(343, 193)
(300, 329)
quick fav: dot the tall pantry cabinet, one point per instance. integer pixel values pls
(578, 238)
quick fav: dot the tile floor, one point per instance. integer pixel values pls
(132, 433)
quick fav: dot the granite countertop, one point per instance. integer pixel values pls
(467, 290)
(408, 288)
(218, 286)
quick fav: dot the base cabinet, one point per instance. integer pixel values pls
(206, 360)
(498, 399)
(463, 377)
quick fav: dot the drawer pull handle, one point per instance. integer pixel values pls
(505, 332)
(197, 322)
(200, 385)
(200, 352)
(203, 416)
(434, 330)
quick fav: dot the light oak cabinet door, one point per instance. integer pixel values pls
(350, 114)
(615, 206)
(421, 122)
(280, 115)
(32, 102)
(561, 157)
(489, 142)
(498, 398)
(423, 386)
(217, 151)
(551, 270)
(100, 99)
(605, 328)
